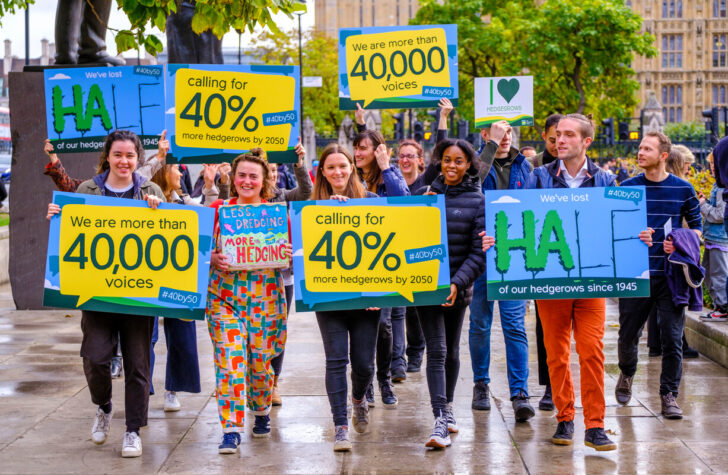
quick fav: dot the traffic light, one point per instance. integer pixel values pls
(419, 131)
(463, 129)
(712, 125)
(398, 126)
(435, 114)
(623, 130)
(608, 129)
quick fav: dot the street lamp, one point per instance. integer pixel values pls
(300, 62)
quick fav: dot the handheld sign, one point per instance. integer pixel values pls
(216, 112)
(254, 236)
(398, 67)
(503, 98)
(118, 255)
(373, 252)
(84, 104)
(566, 243)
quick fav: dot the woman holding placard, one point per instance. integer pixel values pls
(246, 316)
(442, 325)
(336, 179)
(119, 158)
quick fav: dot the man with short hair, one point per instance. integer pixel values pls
(573, 169)
(549, 138)
(504, 168)
(669, 200)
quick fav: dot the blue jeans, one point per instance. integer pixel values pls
(512, 313)
(398, 337)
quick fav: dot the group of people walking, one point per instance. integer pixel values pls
(247, 310)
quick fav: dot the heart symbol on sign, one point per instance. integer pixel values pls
(508, 88)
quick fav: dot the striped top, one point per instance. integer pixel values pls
(671, 199)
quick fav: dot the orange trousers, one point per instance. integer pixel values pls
(587, 317)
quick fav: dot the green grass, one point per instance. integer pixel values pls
(4, 219)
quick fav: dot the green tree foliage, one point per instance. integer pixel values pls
(320, 58)
(579, 52)
(218, 16)
(685, 131)
(9, 7)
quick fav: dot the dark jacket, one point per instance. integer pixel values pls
(543, 158)
(393, 183)
(520, 169)
(302, 192)
(683, 270)
(465, 207)
(549, 176)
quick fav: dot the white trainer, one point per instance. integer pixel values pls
(102, 424)
(171, 403)
(132, 446)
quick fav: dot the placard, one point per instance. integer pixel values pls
(373, 252)
(567, 243)
(119, 255)
(254, 236)
(398, 67)
(216, 112)
(84, 104)
(503, 98)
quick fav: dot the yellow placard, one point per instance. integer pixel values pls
(114, 251)
(397, 63)
(362, 248)
(233, 110)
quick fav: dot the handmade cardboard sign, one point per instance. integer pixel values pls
(374, 252)
(398, 67)
(503, 98)
(84, 104)
(254, 236)
(118, 255)
(216, 112)
(566, 243)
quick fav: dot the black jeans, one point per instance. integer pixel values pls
(277, 362)
(384, 345)
(415, 338)
(442, 327)
(101, 331)
(633, 314)
(337, 329)
(398, 338)
(183, 368)
(543, 367)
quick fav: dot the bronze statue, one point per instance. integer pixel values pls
(184, 45)
(81, 32)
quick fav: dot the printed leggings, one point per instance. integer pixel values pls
(246, 317)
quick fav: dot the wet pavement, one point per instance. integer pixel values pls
(46, 416)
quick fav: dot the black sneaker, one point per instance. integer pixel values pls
(440, 437)
(414, 366)
(564, 434)
(370, 395)
(398, 375)
(623, 390)
(547, 402)
(262, 426)
(522, 408)
(689, 352)
(388, 398)
(597, 439)
(655, 351)
(481, 399)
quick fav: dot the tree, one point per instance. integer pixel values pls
(579, 52)
(320, 58)
(9, 6)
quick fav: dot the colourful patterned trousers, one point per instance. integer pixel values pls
(246, 316)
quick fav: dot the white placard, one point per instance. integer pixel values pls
(504, 98)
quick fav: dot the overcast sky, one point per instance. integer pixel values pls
(42, 21)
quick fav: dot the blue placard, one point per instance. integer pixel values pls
(566, 243)
(84, 104)
(117, 255)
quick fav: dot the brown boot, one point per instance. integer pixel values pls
(276, 395)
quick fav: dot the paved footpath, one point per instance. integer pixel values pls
(46, 416)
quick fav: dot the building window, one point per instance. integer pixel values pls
(672, 103)
(719, 51)
(672, 46)
(672, 8)
(719, 9)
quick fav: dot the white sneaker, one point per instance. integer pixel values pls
(171, 403)
(102, 423)
(132, 446)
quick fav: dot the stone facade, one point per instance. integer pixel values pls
(332, 15)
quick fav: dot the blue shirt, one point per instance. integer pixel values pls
(671, 199)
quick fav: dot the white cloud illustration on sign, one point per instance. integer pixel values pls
(58, 76)
(506, 199)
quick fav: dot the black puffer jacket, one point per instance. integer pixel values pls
(465, 207)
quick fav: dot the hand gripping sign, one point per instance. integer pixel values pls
(397, 67)
(374, 252)
(216, 112)
(566, 243)
(118, 255)
(254, 236)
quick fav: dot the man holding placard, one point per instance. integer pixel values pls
(503, 168)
